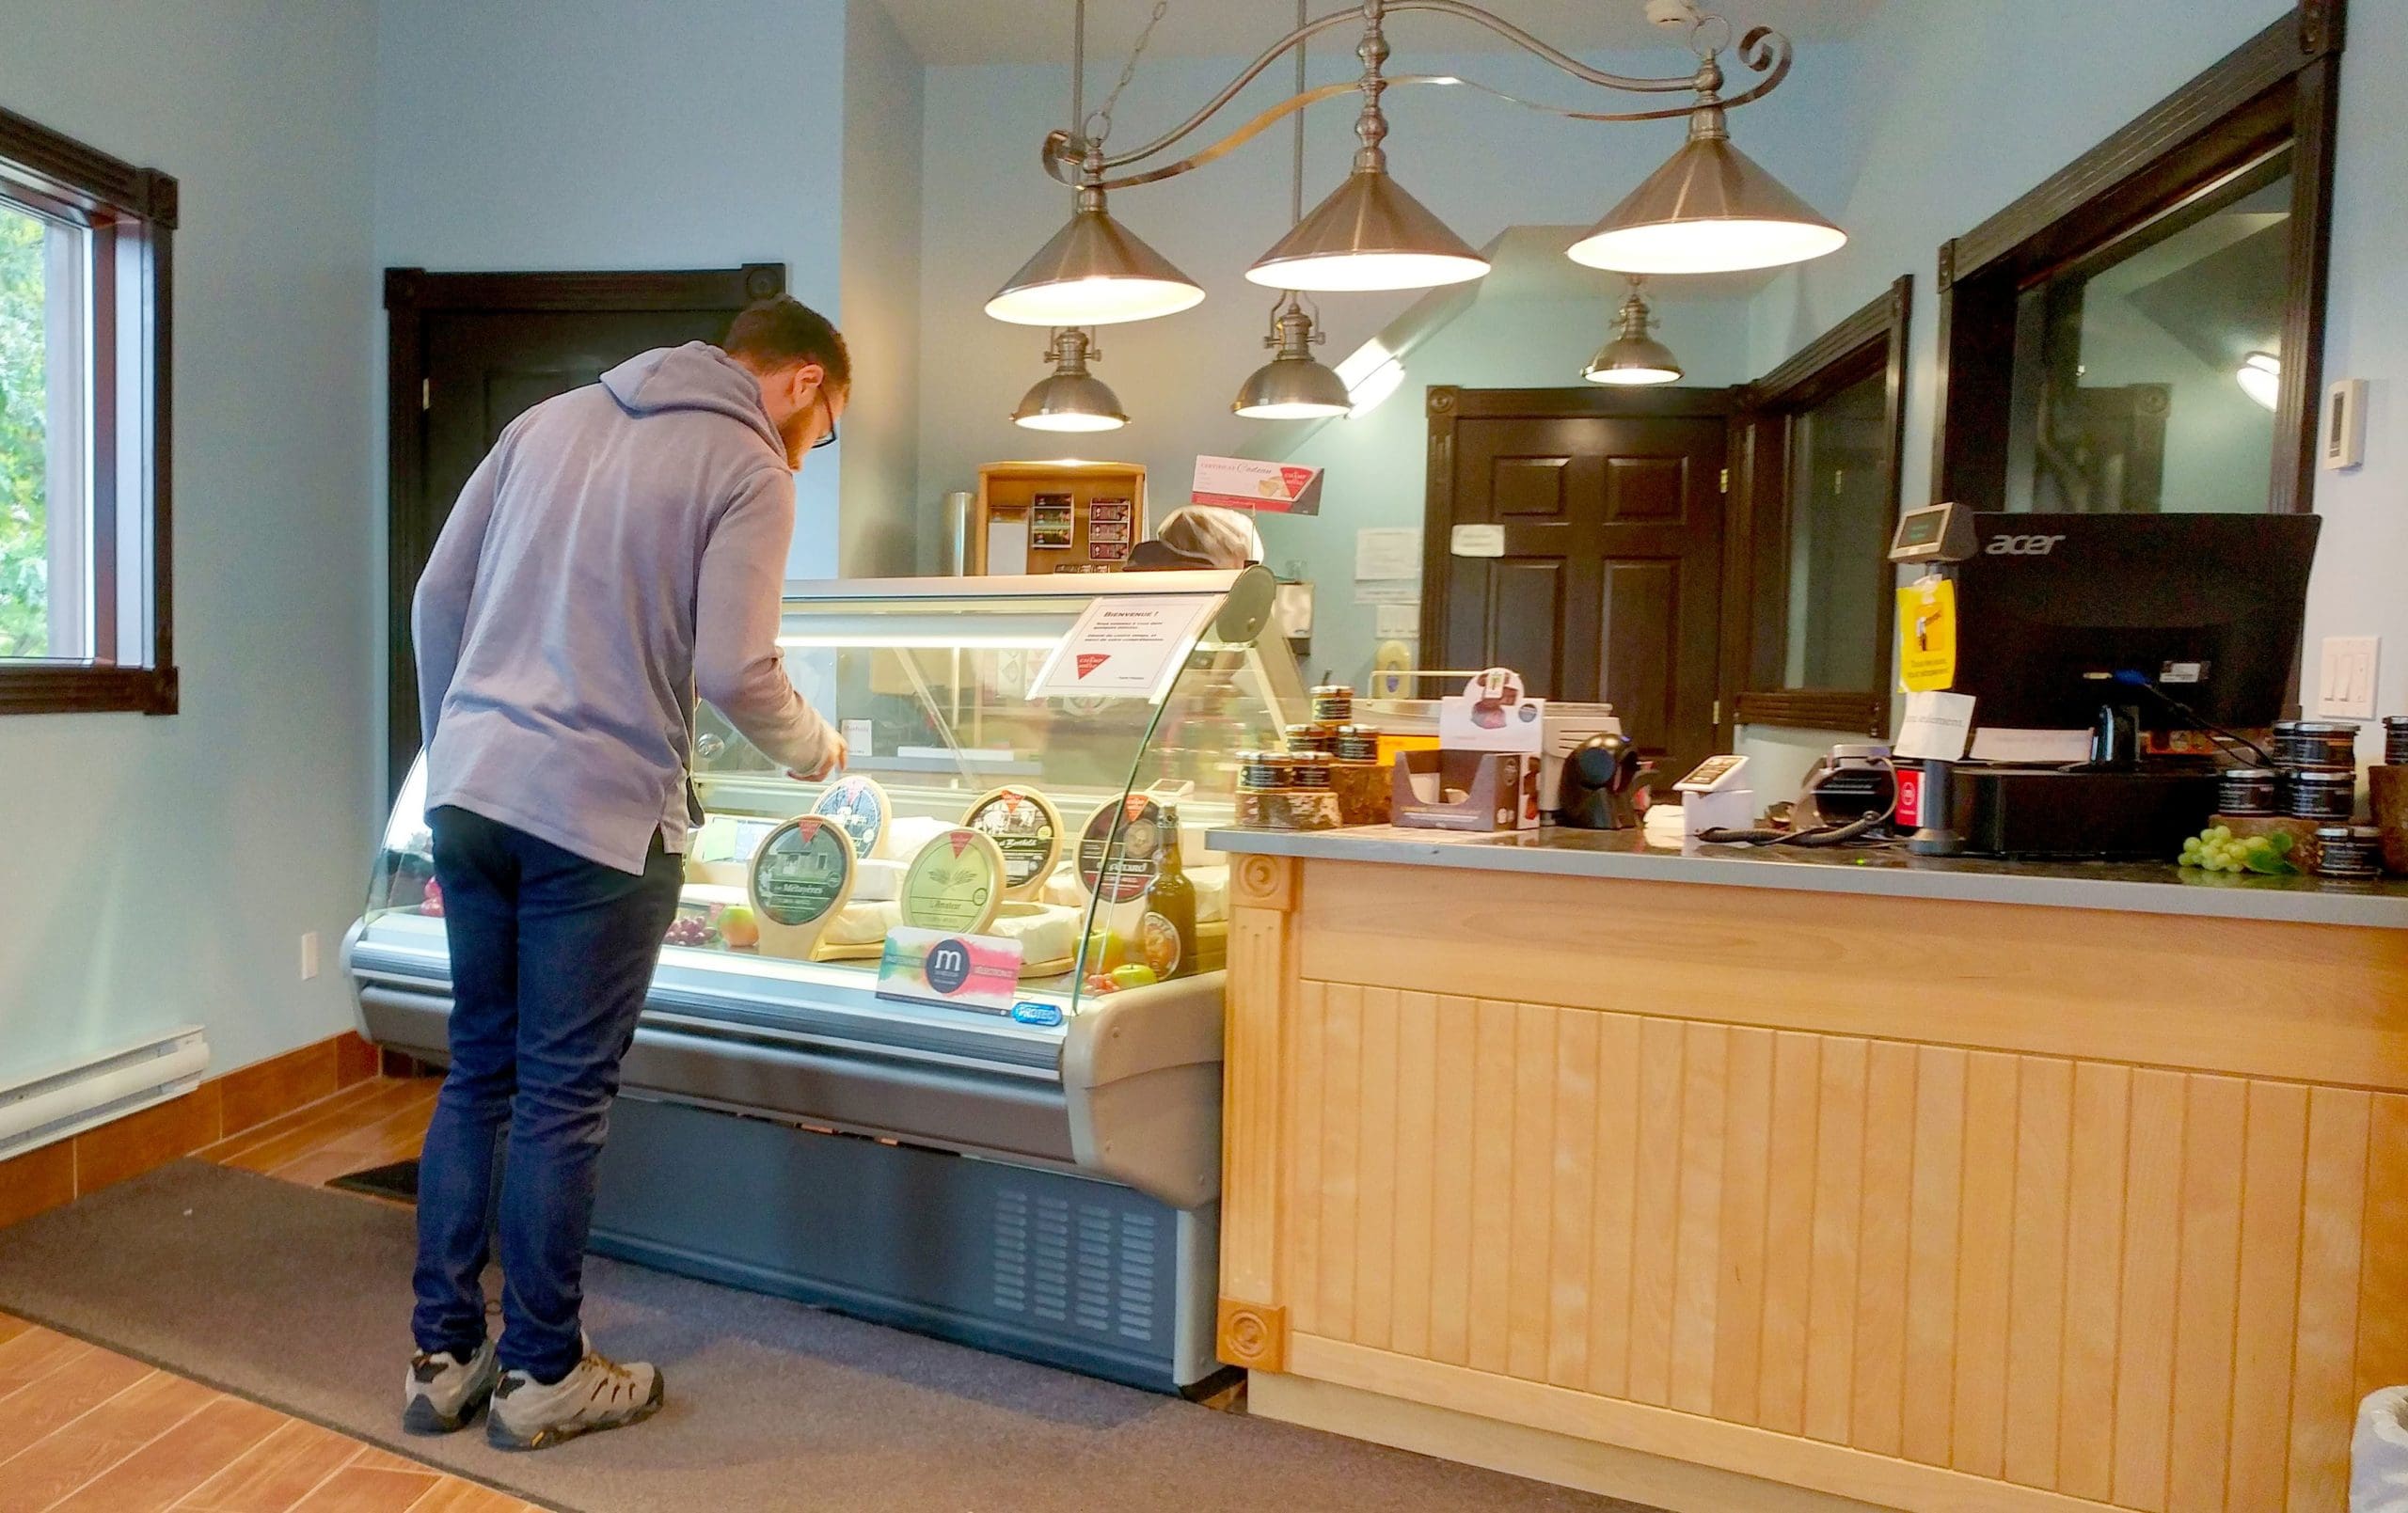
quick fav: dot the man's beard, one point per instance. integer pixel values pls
(795, 431)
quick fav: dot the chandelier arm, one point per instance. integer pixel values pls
(1762, 50)
(1247, 133)
(1561, 59)
(1062, 160)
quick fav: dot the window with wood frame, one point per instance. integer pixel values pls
(84, 577)
(2143, 332)
(1819, 441)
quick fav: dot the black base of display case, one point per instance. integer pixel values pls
(1066, 1270)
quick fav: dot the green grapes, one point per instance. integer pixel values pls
(2217, 850)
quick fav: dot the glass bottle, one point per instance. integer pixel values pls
(1166, 935)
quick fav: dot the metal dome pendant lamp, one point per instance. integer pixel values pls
(1293, 384)
(1071, 399)
(1633, 358)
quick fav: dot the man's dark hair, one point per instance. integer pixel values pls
(780, 332)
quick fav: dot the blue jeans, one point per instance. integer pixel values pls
(552, 956)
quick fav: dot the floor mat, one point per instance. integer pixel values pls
(299, 1298)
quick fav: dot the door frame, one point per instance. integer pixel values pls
(413, 294)
(1448, 405)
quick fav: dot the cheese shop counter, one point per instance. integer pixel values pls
(1815, 1181)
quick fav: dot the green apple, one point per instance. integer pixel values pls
(1134, 975)
(738, 928)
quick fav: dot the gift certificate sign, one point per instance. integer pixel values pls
(1124, 646)
(978, 972)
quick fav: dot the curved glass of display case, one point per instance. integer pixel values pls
(1074, 726)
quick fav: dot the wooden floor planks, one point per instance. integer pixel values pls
(85, 1430)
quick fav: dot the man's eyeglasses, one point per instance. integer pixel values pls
(830, 439)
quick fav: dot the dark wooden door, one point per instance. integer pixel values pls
(1607, 584)
(471, 353)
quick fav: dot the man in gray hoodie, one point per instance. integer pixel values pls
(620, 553)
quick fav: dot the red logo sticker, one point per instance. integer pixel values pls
(960, 840)
(1295, 478)
(1090, 661)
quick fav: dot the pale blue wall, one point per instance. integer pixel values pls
(619, 134)
(879, 300)
(157, 872)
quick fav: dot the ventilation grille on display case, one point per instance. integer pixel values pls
(1086, 1265)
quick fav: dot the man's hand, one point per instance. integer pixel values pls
(835, 764)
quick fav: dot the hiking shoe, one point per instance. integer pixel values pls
(444, 1393)
(598, 1394)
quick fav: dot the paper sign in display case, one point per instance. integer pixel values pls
(938, 1042)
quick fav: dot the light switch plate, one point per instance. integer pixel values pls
(2345, 677)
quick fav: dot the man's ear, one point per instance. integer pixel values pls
(808, 378)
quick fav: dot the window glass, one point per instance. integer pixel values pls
(45, 586)
(1839, 530)
(2145, 375)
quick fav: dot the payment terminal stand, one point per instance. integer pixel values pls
(1936, 536)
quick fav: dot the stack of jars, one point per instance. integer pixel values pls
(2319, 778)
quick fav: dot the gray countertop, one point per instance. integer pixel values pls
(1882, 872)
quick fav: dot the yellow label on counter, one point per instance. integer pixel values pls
(1927, 635)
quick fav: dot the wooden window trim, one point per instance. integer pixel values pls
(2278, 86)
(131, 212)
(1871, 340)
(412, 294)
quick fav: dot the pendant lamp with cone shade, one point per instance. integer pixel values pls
(1095, 272)
(1712, 209)
(1368, 234)
(1633, 358)
(1070, 397)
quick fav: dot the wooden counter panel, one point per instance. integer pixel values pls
(2147, 1288)
(2319, 1003)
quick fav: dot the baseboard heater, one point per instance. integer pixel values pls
(51, 1105)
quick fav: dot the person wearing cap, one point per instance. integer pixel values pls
(1199, 537)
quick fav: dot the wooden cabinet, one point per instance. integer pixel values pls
(1891, 1202)
(1049, 513)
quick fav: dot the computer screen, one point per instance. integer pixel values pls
(2051, 607)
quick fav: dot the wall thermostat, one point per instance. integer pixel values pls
(1936, 533)
(2345, 424)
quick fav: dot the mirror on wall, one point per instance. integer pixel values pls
(2146, 374)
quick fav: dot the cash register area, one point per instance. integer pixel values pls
(1647, 952)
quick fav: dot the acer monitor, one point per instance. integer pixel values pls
(2066, 621)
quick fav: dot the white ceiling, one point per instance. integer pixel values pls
(1038, 31)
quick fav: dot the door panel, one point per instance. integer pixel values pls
(1609, 587)
(471, 353)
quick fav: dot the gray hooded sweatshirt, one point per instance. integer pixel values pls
(620, 550)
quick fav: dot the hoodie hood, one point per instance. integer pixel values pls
(696, 376)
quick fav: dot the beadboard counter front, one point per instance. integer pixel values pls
(1813, 1197)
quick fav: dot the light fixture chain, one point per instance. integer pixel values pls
(1104, 116)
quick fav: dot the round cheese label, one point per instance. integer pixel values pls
(798, 874)
(1121, 849)
(1024, 827)
(956, 883)
(857, 805)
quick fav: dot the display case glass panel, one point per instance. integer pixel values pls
(934, 682)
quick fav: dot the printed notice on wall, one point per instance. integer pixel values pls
(1124, 647)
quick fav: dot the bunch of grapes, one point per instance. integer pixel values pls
(2217, 850)
(689, 930)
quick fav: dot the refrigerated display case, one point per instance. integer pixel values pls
(1039, 1176)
